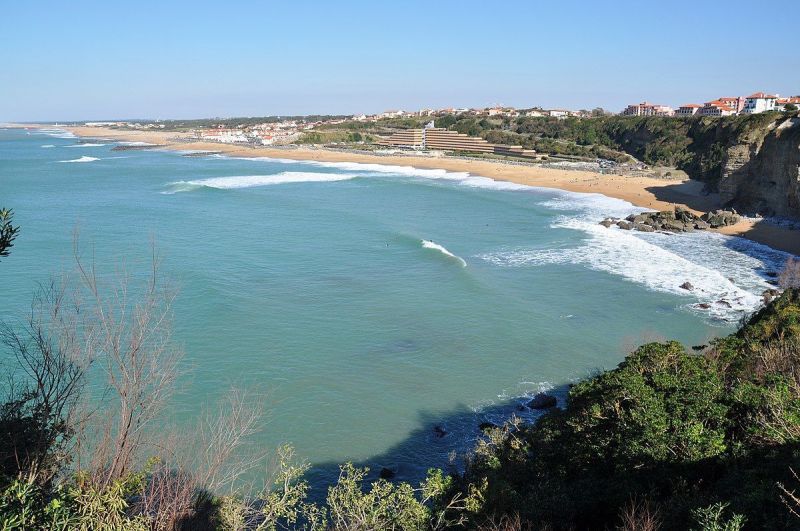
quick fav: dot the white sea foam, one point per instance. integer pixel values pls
(125, 143)
(48, 146)
(723, 271)
(56, 133)
(387, 170)
(249, 181)
(427, 244)
(82, 159)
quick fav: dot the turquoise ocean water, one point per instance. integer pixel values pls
(366, 304)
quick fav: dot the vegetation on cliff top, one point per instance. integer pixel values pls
(696, 145)
(670, 439)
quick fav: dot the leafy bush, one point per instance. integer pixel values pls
(683, 430)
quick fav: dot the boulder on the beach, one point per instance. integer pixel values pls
(701, 225)
(687, 286)
(678, 220)
(720, 218)
(542, 401)
(684, 215)
(674, 226)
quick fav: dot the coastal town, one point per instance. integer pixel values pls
(285, 131)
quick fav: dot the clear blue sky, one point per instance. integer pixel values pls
(80, 60)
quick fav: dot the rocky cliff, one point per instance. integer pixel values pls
(760, 170)
(753, 161)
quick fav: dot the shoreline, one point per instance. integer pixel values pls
(645, 192)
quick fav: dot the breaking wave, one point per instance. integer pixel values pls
(81, 159)
(386, 170)
(125, 143)
(427, 244)
(87, 144)
(249, 181)
(55, 133)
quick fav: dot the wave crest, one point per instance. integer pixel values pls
(81, 159)
(428, 244)
(250, 181)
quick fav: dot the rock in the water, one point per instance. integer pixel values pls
(542, 401)
(642, 227)
(686, 285)
(698, 348)
(723, 302)
(483, 426)
(704, 306)
(439, 431)
(624, 225)
(769, 294)
(387, 473)
(606, 223)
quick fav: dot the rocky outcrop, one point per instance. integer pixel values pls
(679, 220)
(542, 401)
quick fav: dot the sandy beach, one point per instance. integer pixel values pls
(648, 193)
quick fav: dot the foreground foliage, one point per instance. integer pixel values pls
(687, 432)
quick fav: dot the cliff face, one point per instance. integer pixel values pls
(753, 161)
(760, 172)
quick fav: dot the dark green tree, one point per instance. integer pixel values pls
(8, 232)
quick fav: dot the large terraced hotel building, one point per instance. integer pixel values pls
(438, 139)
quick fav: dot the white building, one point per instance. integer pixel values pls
(227, 136)
(690, 109)
(648, 109)
(759, 102)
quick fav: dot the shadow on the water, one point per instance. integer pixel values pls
(440, 441)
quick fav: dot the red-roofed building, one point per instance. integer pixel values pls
(759, 102)
(717, 108)
(737, 103)
(781, 103)
(690, 109)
